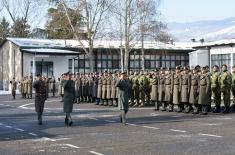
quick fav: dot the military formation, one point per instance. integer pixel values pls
(25, 86)
(179, 90)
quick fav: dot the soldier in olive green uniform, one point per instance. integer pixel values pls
(194, 91)
(131, 77)
(233, 83)
(13, 88)
(204, 93)
(215, 88)
(225, 87)
(135, 89)
(168, 92)
(161, 89)
(176, 90)
(143, 82)
(185, 82)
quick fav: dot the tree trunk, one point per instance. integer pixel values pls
(142, 48)
(91, 59)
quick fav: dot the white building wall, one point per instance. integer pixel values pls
(60, 63)
(199, 57)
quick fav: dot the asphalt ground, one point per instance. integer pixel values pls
(97, 131)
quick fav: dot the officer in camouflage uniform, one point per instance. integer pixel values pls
(135, 89)
(148, 88)
(131, 77)
(204, 92)
(194, 91)
(215, 87)
(233, 83)
(161, 89)
(225, 87)
(144, 84)
(185, 82)
(168, 92)
(176, 90)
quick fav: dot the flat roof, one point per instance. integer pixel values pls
(49, 51)
(75, 44)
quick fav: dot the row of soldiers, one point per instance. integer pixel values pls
(178, 90)
(94, 87)
(184, 90)
(25, 87)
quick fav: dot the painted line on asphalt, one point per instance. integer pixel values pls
(72, 146)
(182, 131)
(176, 116)
(210, 135)
(131, 124)
(47, 139)
(7, 126)
(97, 153)
(19, 129)
(109, 121)
(92, 118)
(32, 134)
(150, 127)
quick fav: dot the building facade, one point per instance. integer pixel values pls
(22, 57)
(214, 53)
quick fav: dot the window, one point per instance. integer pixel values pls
(147, 64)
(115, 64)
(220, 59)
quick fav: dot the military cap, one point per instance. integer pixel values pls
(186, 68)
(123, 72)
(177, 67)
(105, 71)
(163, 68)
(216, 66)
(38, 75)
(224, 65)
(207, 67)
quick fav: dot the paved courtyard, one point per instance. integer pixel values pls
(97, 131)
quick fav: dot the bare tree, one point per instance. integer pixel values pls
(147, 13)
(93, 13)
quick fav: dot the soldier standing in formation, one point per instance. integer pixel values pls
(225, 87)
(13, 88)
(215, 88)
(185, 83)
(194, 91)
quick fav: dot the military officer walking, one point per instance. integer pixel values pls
(124, 93)
(40, 97)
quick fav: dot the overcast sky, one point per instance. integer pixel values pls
(194, 10)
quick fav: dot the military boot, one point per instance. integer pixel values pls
(216, 109)
(39, 119)
(226, 110)
(204, 110)
(169, 108)
(163, 107)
